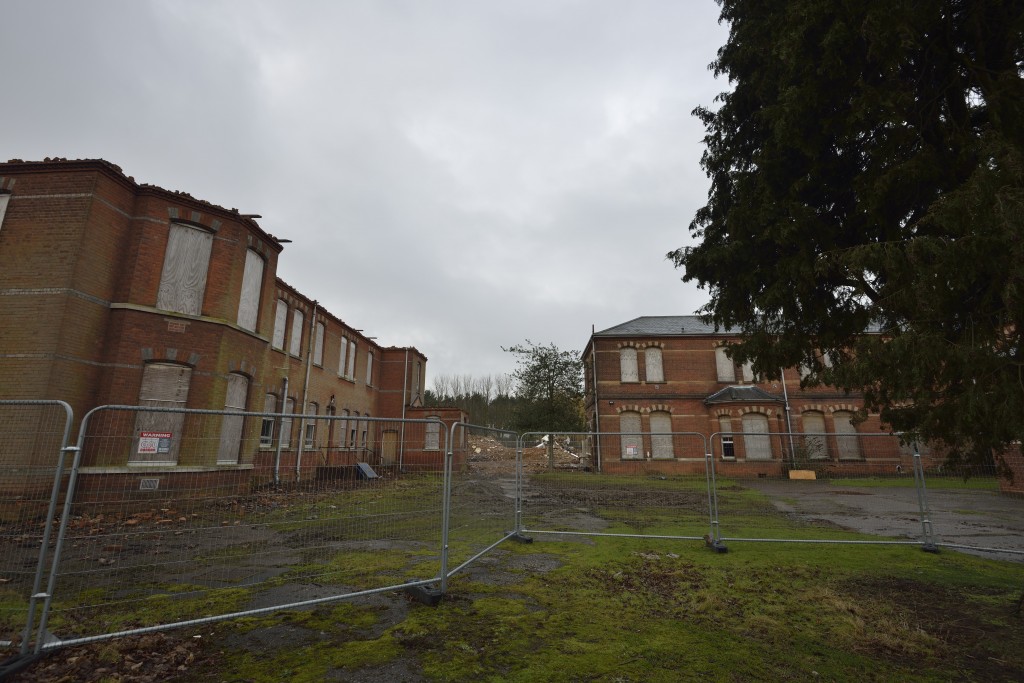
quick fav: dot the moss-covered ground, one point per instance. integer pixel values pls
(624, 609)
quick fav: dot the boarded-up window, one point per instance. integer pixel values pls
(343, 429)
(351, 371)
(756, 441)
(4, 198)
(183, 281)
(366, 428)
(433, 436)
(653, 365)
(231, 425)
(286, 423)
(661, 437)
(847, 440)
(252, 283)
(158, 435)
(369, 369)
(353, 428)
(318, 345)
(280, 322)
(267, 423)
(295, 341)
(748, 372)
(342, 357)
(632, 440)
(726, 368)
(627, 364)
(815, 445)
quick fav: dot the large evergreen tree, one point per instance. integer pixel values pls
(867, 171)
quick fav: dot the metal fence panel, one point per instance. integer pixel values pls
(573, 487)
(483, 490)
(33, 438)
(827, 487)
(968, 511)
(163, 529)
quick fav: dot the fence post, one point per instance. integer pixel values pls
(37, 580)
(446, 506)
(927, 535)
(714, 538)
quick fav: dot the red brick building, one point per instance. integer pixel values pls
(650, 378)
(115, 292)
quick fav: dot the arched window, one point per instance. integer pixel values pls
(280, 322)
(312, 410)
(847, 440)
(661, 437)
(653, 365)
(186, 261)
(343, 429)
(627, 364)
(814, 434)
(756, 442)
(295, 341)
(432, 441)
(318, 345)
(286, 423)
(231, 425)
(158, 435)
(267, 423)
(724, 365)
(252, 283)
(632, 440)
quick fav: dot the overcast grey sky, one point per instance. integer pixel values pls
(499, 171)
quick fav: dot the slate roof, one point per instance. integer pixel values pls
(741, 394)
(661, 326)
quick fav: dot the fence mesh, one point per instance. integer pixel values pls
(968, 512)
(184, 516)
(32, 436)
(273, 528)
(483, 491)
(821, 487)
(570, 486)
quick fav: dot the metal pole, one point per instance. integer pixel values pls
(446, 508)
(789, 421)
(928, 536)
(401, 438)
(37, 582)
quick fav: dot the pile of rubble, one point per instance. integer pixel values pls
(487, 451)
